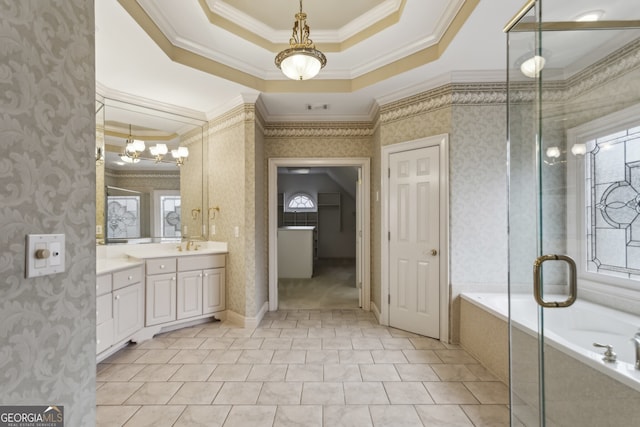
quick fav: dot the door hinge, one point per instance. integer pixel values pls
(389, 235)
(388, 172)
(389, 299)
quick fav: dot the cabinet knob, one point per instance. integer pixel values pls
(206, 274)
(200, 275)
(173, 278)
(117, 296)
(130, 277)
(161, 266)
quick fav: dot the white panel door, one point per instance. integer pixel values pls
(161, 299)
(414, 274)
(189, 294)
(359, 247)
(213, 290)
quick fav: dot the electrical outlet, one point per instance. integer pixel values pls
(213, 229)
(236, 231)
(98, 229)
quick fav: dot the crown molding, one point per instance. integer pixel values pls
(319, 130)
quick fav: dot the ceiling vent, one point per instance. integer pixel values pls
(317, 107)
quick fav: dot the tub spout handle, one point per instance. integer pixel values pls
(609, 356)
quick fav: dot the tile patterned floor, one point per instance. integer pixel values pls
(298, 368)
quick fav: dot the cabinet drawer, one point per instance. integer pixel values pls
(161, 266)
(127, 277)
(103, 308)
(103, 284)
(200, 262)
(104, 336)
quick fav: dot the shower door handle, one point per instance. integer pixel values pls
(537, 281)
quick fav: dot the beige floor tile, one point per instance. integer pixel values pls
(298, 315)
(118, 372)
(156, 416)
(156, 356)
(366, 393)
(342, 373)
(449, 393)
(482, 373)
(280, 393)
(355, 356)
(489, 392)
(277, 343)
(230, 373)
(376, 332)
(416, 372)
(455, 356)
(239, 333)
(190, 356)
(322, 357)
(443, 416)
(379, 372)
(114, 416)
(156, 344)
(158, 393)
(246, 344)
(399, 333)
(223, 356)
(367, 343)
(289, 356)
(453, 372)
(306, 344)
(322, 333)
(266, 333)
(487, 415)
(426, 344)
(284, 324)
(203, 416)
(156, 372)
(421, 356)
(255, 356)
(267, 373)
(251, 416)
(412, 393)
(187, 343)
(125, 356)
(196, 393)
(397, 343)
(115, 393)
(347, 416)
(348, 332)
(322, 393)
(211, 333)
(238, 393)
(294, 333)
(337, 344)
(304, 373)
(394, 416)
(217, 343)
(298, 416)
(388, 356)
(198, 372)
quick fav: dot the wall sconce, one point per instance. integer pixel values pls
(212, 212)
(195, 213)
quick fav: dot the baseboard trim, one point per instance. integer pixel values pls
(376, 311)
(247, 322)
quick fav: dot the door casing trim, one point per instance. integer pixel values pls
(442, 141)
(361, 162)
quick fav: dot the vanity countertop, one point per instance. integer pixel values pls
(118, 257)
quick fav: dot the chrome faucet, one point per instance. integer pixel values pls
(636, 341)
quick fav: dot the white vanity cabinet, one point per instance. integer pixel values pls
(161, 291)
(119, 306)
(200, 285)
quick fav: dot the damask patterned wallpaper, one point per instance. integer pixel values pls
(47, 185)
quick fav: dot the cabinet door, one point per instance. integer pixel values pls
(213, 290)
(128, 306)
(161, 299)
(189, 294)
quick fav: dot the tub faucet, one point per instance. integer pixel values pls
(636, 342)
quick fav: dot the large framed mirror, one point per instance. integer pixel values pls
(150, 180)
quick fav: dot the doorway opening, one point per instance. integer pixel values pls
(318, 233)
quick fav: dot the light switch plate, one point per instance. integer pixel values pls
(44, 254)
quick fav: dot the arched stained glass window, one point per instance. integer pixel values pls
(301, 201)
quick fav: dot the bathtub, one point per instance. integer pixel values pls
(574, 330)
(583, 390)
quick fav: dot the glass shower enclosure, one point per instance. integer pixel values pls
(574, 212)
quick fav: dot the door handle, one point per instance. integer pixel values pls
(537, 281)
(434, 252)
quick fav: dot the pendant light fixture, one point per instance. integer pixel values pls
(301, 61)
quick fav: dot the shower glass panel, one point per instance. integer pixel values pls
(574, 211)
